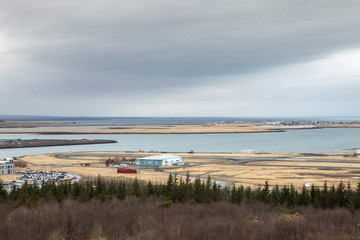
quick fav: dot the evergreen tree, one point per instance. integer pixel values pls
(355, 200)
(149, 189)
(13, 195)
(324, 196)
(198, 191)
(136, 188)
(248, 194)
(216, 192)
(293, 196)
(207, 192)
(304, 197)
(265, 193)
(315, 196)
(3, 193)
(275, 195)
(341, 194)
(121, 191)
(169, 185)
(331, 201)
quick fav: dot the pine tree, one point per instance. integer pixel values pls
(169, 186)
(248, 194)
(341, 194)
(331, 198)
(265, 193)
(111, 190)
(216, 192)
(275, 195)
(188, 187)
(304, 197)
(121, 191)
(198, 191)
(3, 193)
(136, 188)
(324, 196)
(149, 189)
(207, 193)
(356, 197)
(293, 197)
(13, 195)
(233, 194)
(315, 196)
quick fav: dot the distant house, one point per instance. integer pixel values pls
(6, 167)
(160, 160)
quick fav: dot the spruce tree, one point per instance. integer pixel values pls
(121, 191)
(3, 193)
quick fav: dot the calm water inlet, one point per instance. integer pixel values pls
(331, 140)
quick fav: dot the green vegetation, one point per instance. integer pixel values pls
(184, 190)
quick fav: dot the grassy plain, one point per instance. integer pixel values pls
(293, 169)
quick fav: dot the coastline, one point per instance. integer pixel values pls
(179, 129)
(50, 143)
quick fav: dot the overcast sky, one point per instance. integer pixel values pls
(241, 58)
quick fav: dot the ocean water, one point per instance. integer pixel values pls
(330, 140)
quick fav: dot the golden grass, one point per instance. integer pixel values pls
(301, 163)
(247, 174)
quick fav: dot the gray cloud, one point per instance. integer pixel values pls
(148, 51)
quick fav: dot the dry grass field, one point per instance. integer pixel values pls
(293, 169)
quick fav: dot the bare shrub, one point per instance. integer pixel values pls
(20, 163)
(134, 218)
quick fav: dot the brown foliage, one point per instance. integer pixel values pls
(134, 218)
(20, 163)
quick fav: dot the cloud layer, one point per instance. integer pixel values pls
(185, 58)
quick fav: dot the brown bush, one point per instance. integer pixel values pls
(20, 163)
(134, 218)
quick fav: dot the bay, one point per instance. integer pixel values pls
(328, 140)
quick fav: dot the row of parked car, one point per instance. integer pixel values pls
(47, 176)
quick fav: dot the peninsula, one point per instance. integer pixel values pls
(20, 143)
(190, 128)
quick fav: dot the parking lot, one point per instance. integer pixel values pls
(47, 176)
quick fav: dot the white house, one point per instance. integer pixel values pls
(6, 167)
(160, 160)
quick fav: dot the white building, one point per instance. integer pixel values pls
(160, 160)
(6, 167)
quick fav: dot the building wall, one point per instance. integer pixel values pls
(150, 162)
(160, 160)
(7, 169)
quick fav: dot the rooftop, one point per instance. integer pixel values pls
(161, 157)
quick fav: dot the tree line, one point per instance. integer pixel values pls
(187, 190)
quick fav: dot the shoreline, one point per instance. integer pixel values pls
(152, 131)
(50, 143)
(151, 128)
